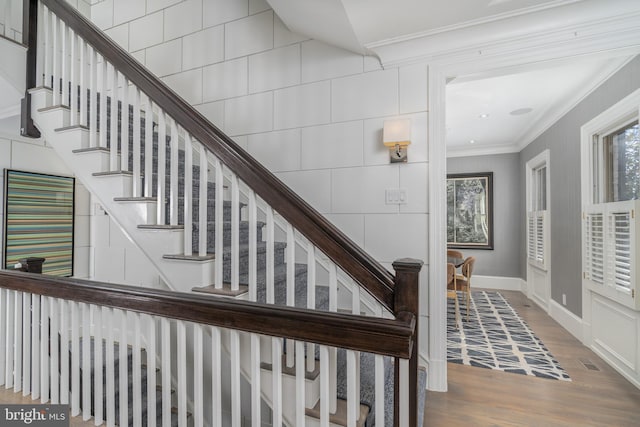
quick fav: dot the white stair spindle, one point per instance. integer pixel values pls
(236, 400)
(73, 77)
(355, 309)
(151, 372)
(148, 148)
(276, 373)
(235, 233)
(333, 352)
(54, 329)
(75, 358)
(353, 399)
(98, 382)
(64, 67)
(82, 79)
(300, 383)
(40, 45)
(311, 299)
(202, 204)
(110, 367)
(291, 266)
(253, 246)
(55, 59)
(173, 180)
(162, 165)
(103, 78)
(219, 223)
(379, 389)
(125, 126)
(135, 149)
(216, 378)
(256, 383)
(123, 357)
(86, 362)
(93, 97)
(182, 373)
(166, 372)
(8, 348)
(35, 347)
(270, 257)
(26, 343)
(17, 342)
(325, 396)
(3, 334)
(46, 51)
(198, 373)
(44, 350)
(113, 121)
(188, 195)
(137, 371)
(403, 407)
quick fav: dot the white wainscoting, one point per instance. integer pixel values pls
(566, 319)
(499, 282)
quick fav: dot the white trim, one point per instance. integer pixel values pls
(567, 319)
(497, 282)
(479, 150)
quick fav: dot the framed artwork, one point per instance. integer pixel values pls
(38, 220)
(470, 210)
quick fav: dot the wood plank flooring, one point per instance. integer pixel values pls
(483, 397)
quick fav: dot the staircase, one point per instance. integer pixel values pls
(214, 222)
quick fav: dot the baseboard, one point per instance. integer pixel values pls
(436, 374)
(566, 319)
(498, 282)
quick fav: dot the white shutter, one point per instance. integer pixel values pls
(537, 223)
(540, 228)
(531, 233)
(619, 230)
(594, 247)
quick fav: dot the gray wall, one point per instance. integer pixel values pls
(563, 141)
(505, 259)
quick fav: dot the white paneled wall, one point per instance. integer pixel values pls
(35, 156)
(311, 113)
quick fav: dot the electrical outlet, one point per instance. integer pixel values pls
(564, 299)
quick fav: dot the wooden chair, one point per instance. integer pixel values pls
(451, 290)
(454, 254)
(463, 281)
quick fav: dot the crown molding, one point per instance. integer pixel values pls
(482, 150)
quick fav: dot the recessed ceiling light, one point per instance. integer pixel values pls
(484, 115)
(472, 141)
(521, 111)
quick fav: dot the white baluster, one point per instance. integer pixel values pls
(98, 382)
(26, 343)
(173, 179)
(86, 361)
(162, 163)
(109, 320)
(82, 77)
(64, 351)
(17, 342)
(333, 352)
(198, 374)
(75, 358)
(148, 148)
(291, 266)
(8, 348)
(311, 299)
(135, 149)
(253, 246)
(270, 257)
(379, 389)
(219, 223)
(125, 126)
(355, 309)
(235, 233)
(123, 362)
(44, 349)
(276, 372)
(137, 372)
(55, 59)
(256, 383)
(47, 52)
(188, 195)
(54, 329)
(64, 67)
(403, 407)
(202, 205)
(353, 399)
(103, 103)
(41, 45)
(73, 77)
(166, 372)
(325, 396)
(93, 97)
(234, 344)
(151, 372)
(113, 121)
(182, 373)
(216, 379)
(35, 347)
(300, 383)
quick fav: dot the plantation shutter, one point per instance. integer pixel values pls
(594, 247)
(536, 247)
(619, 239)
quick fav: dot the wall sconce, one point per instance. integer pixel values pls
(396, 135)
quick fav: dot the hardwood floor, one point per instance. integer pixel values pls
(483, 397)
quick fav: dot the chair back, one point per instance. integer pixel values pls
(451, 272)
(454, 254)
(467, 267)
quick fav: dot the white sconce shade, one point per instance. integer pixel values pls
(396, 134)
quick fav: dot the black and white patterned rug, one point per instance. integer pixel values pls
(495, 337)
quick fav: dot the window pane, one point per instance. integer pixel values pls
(622, 164)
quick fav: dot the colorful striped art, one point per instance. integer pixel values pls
(39, 220)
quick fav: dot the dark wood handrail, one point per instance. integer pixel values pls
(390, 337)
(322, 233)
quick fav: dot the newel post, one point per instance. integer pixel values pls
(29, 38)
(406, 299)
